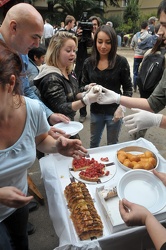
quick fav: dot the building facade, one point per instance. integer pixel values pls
(146, 7)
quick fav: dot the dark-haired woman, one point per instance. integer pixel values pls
(105, 67)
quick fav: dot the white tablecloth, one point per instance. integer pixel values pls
(55, 173)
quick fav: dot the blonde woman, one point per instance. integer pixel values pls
(57, 83)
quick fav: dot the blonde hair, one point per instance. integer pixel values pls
(55, 45)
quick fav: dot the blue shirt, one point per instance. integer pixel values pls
(26, 89)
(15, 160)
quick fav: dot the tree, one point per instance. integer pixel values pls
(112, 2)
(75, 7)
(132, 12)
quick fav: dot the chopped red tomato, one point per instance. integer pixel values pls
(105, 159)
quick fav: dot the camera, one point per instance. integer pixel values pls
(85, 26)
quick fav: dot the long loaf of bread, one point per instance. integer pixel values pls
(84, 215)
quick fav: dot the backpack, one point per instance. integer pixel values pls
(151, 71)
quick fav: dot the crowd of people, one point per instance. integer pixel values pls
(41, 85)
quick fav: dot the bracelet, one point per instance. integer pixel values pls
(82, 101)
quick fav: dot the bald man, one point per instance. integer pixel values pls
(22, 30)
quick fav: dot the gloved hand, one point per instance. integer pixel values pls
(141, 120)
(90, 96)
(119, 113)
(108, 97)
(89, 86)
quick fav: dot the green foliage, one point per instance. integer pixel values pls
(131, 18)
(126, 27)
(132, 11)
(116, 20)
(76, 8)
(58, 9)
(113, 3)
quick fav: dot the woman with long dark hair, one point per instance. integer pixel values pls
(105, 67)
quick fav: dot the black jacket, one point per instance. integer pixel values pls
(117, 79)
(56, 91)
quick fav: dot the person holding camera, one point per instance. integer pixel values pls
(85, 33)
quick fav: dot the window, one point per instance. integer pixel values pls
(124, 3)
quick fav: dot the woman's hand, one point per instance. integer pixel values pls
(108, 97)
(133, 214)
(161, 176)
(56, 133)
(91, 96)
(13, 197)
(141, 119)
(89, 86)
(70, 147)
(119, 113)
(57, 117)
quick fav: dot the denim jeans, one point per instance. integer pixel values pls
(97, 124)
(137, 62)
(13, 231)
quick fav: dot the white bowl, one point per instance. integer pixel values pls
(135, 150)
(144, 188)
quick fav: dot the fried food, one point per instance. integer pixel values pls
(145, 161)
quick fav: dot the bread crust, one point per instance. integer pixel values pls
(87, 222)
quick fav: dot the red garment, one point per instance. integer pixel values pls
(3, 2)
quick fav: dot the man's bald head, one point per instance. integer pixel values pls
(24, 13)
(22, 21)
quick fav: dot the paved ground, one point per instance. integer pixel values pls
(45, 237)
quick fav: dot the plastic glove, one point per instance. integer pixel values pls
(108, 97)
(119, 113)
(90, 97)
(89, 86)
(141, 120)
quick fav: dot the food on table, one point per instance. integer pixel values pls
(91, 170)
(108, 193)
(145, 161)
(104, 159)
(94, 172)
(84, 215)
(82, 163)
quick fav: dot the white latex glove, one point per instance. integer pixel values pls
(141, 120)
(119, 113)
(108, 97)
(90, 96)
(89, 86)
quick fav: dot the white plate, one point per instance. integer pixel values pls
(111, 169)
(71, 128)
(144, 188)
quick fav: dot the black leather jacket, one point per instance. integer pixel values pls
(58, 93)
